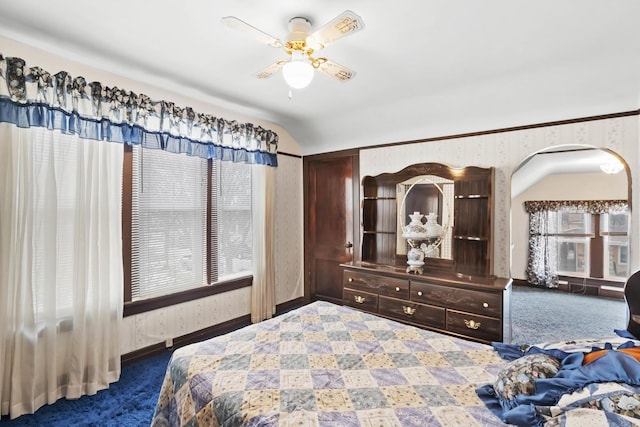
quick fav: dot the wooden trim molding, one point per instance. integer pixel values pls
(520, 282)
(203, 334)
(511, 129)
(282, 153)
(127, 197)
(136, 307)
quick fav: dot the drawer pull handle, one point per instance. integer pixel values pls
(472, 324)
(351, 279)
(397, 289)
(359, 299)
(485, 304)
(408, 310)
(419, 293)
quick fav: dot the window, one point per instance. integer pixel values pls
(190, 222)
(593, 245)
(232, 237)
(614, 231)
(574, 234)
(573, 256)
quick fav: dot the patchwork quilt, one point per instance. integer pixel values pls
(328, 365)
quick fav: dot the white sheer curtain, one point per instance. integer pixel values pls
(263, 290)
(60, 266)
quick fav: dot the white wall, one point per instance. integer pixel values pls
(578, 186)
(505, 151)
(153, 327)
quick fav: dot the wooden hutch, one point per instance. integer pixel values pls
(456, 294)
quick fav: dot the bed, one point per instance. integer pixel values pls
(330, 365)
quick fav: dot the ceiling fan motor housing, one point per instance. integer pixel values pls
(299, 28)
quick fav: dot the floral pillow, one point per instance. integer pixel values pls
(616, 398)
(519, 376)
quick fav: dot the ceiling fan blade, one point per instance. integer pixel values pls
(273, 68)
(336, 71)
(342, 25)
(250, 30)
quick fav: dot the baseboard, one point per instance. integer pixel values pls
(289, 305)
(592, 287)
(520, 282)
(203, 334)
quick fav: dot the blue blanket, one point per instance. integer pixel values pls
(614, 366)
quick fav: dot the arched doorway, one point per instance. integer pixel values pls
(587, 246)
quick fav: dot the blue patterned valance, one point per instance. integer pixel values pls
(31, 96)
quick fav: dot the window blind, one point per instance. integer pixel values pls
(181, 206)
(231, 219)
(169, 223)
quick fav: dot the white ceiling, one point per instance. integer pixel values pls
(425, 68)
(561, 161)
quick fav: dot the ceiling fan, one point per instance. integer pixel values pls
(298, 69)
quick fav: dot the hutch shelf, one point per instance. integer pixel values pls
(457, 294)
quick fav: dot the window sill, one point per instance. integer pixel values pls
(136, 307)
(590, 281)
(592, 286)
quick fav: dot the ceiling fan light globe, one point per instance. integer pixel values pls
(297, 74)
(612, 167)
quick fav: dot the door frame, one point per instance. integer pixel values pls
(307, 161)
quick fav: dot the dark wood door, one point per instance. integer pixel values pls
(331, 222)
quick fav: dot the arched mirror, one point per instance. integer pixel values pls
(425, 219)
(580, 195)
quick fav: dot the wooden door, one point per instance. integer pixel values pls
(331, 222)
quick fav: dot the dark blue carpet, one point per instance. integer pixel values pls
(128, 402)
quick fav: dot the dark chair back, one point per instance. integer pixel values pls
(632, 297)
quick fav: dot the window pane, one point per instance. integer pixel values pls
(615, 222)
(616, 256)
(169, 223)
(613, 229)
(232, 234)
(574, 223)
(573, 256)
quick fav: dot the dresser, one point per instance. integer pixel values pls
(477, 309)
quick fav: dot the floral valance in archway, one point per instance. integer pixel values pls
(587, 206)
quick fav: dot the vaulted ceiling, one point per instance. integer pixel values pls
(425, 68)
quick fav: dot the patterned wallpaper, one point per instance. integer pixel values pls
(145, 329)
(505, 151)
(289, 230)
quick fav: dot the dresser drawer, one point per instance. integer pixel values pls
(488, 304)
(360, 299)
(474, 325)
(390, 286)
(411, 312)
